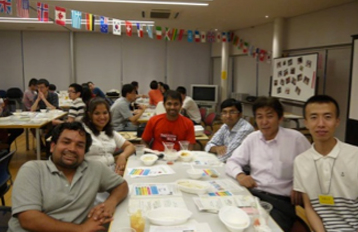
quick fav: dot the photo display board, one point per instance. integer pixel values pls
(294, 77)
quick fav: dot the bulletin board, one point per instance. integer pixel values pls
(294, 77)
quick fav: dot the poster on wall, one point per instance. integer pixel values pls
(294, 77)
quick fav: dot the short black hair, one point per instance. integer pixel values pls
(92, 105)
(33, 81)
(153, 85)
(166, 87)
(77, 87)
(127, 88)
(43, 81)
(90, 82)
(135, 83)
(52, 87)
(173, 95)
(231, 102)
(270, 102)
(76, 126)
(160, 83)
(321, 99)
(181, 89)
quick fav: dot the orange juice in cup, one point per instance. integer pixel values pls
(137, 221)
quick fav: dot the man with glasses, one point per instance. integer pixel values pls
(44, 99)
(270, 153)
(77, 108)
(232, 133)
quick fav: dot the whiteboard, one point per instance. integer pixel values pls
(294, 77)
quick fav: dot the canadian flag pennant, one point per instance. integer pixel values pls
(203, 36)
(60, 16)
(268, 58)
(218, 37)
(129, 28)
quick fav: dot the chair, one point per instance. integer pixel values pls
(5, 215)
(2, 93)
(209, 121)
(14, 96)
(202, 113)
(301, 224)
(5, 175)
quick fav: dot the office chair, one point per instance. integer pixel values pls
(5, 175)
(14, 97)
(5, 215)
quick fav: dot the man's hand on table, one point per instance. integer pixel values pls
(220, 150)
(92, 225)
(246, 181)
(102, 213)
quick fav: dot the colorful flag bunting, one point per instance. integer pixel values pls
(245, 48)
(268, 58)
(181, 33)
(76, 19)
(6, 7)
(224, 37)
(129, 28)
(90, 22)
(197, 36)
(158, 32)
(140, 30)
(256, 53)
(210, 36)
(42, 12)
(190, 36)
(174, 34)
(218, 36)
(150, 31)
(22, 7)
(241, 44)
(60, 16)
(103, 24)
(116, 27)
(251, 50)
(203, 36)
(230, 36)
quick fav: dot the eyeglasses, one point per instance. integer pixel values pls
(226, 113)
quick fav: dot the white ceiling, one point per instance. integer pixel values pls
(220, 14)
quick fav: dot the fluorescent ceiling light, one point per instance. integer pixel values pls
(142, 2)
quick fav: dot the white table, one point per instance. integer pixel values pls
(31, 120)
(121, 218)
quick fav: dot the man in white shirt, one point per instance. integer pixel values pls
(270, 153)
(190, 107)
(327, 173)
(232, 133)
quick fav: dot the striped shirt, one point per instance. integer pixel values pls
(335, 174)
(77, 109)
(231, 139)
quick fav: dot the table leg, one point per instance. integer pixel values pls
(27, 138)
(38, 144)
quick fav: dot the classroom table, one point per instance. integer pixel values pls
(31, 120)
(121, 217)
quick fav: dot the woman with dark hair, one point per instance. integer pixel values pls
(86, 93)
(105, 141)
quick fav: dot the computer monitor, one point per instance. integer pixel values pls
(205, 94)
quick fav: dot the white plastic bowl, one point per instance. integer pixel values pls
(43, 111)
(234, 218)
(195, 173)
(185, 155)
(168, 216)
(171, 156)
(193, 186)
(149, 159)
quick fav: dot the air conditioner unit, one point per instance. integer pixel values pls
(160, 14)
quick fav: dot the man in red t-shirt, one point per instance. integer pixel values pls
(169, 127)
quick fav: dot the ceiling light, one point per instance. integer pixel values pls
(266, 16)
(142, 2)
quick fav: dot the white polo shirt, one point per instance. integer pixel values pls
(335, 174)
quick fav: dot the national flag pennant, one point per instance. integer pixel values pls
(181, 33)
(103, 24)
(230, 35)
(60, 16)
(224, 37)
(6, 7)
(251, 50)
(167, 34)
(203, 36)
(241, 44)
(197, 36)
(42, 12)
(140, 30)
(262, 55)
(22, 8)
(174, 34)
(256, 53)
(158, 32)
(268, 57)
(150, 31)
(210, 37)
(218, 36)
(245, 48)
(90, 22)
(76, 19)
(190, 36)
(236, 40)
(129, 28)
(116, 27)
